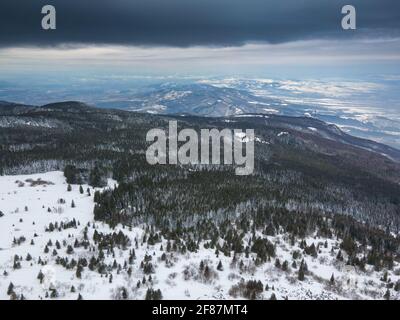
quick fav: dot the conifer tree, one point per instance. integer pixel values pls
(339, 256)
(201, 267)
(124, 294)
(40, 276)
(148, 295)
(332, 280)
(10, 288)
(79, 270)
(54, 294)
(301, 274)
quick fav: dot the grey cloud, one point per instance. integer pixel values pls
(191, 22)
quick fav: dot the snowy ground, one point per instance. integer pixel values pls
(29, 205)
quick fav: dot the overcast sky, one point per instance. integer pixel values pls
(190, 35)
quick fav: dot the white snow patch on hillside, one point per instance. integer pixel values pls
(177, 279)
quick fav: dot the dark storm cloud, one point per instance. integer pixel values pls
(190, 22)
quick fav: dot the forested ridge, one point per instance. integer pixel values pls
(306, 182)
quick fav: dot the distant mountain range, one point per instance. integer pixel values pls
(200, 99)
(217, 99)
(367, 110)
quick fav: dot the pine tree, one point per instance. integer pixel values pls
(80, 189)
(10, 288)
(72, 204)
(54, 294)
(17, 264)
(207, 273)
(332, 280)
(303, 265)
(149, 294)
(40, 276)
(157, 295)
(220, 267)
(387, 295)
(69, 188)
(201, 267)
(301, 274)
(79, 270)
(124, 294)
(95, 177)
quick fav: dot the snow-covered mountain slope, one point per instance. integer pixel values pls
(38, 258)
